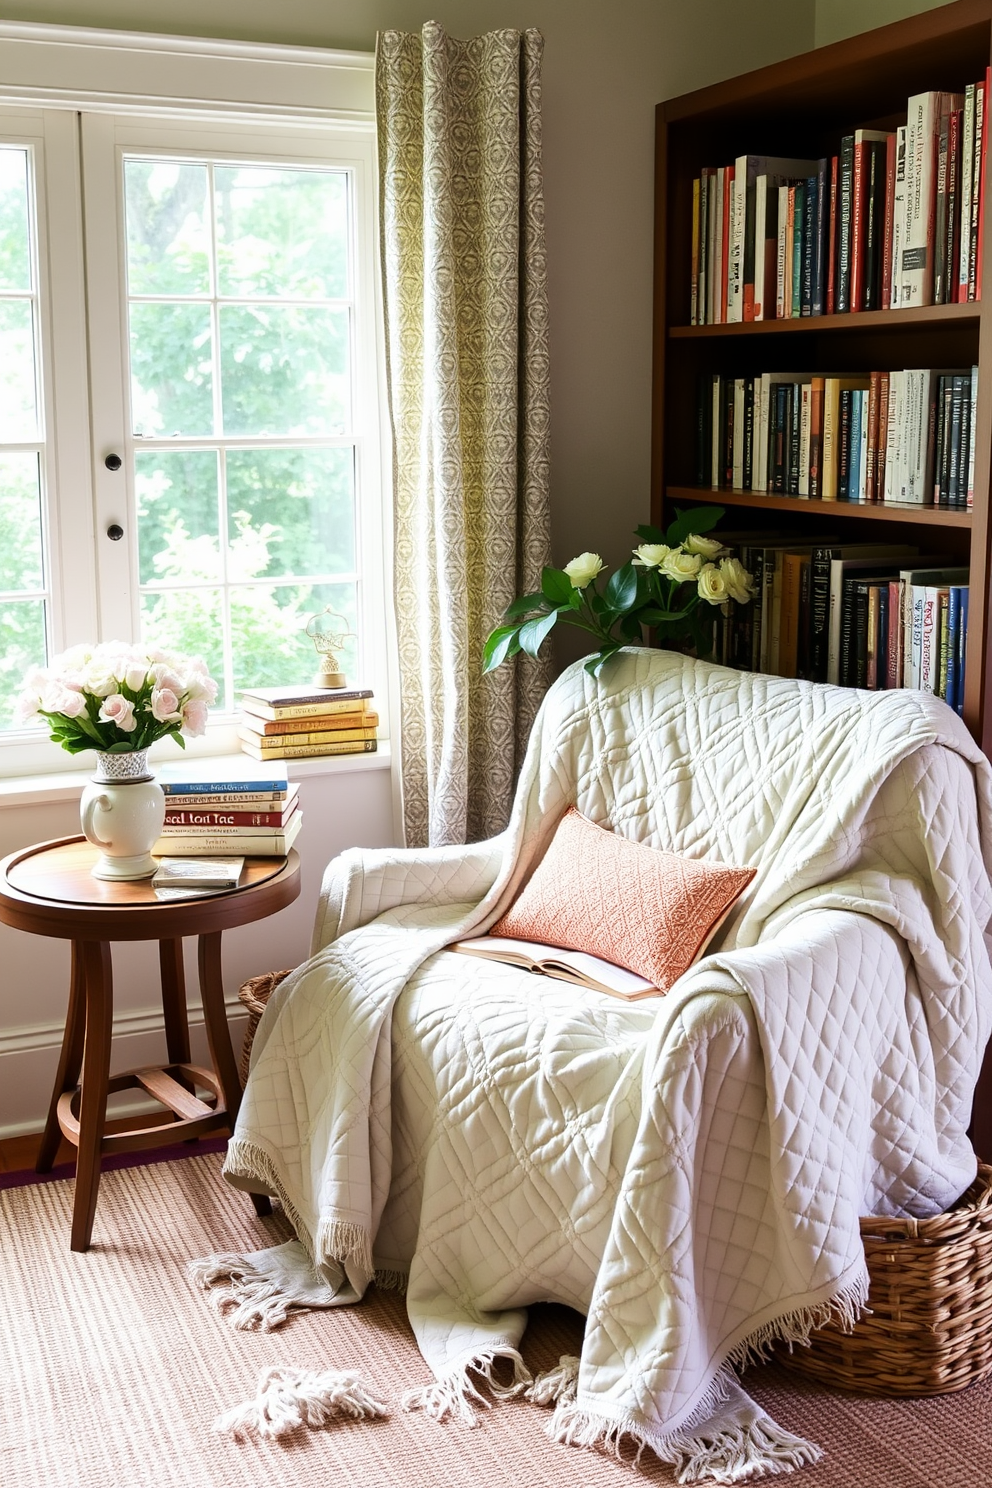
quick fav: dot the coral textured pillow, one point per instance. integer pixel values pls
(650, 911)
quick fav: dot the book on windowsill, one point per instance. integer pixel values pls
(265, 728)
(302, 702)
(198, 873)
(577, 967)
(237, 844)
(309, 751)
(272, 744)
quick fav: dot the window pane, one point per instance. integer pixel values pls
(281, 232)
(187, 620)
(18, 408)
(178, 515)
(168, 243)
(20, 522)
(284, 370)
(22, 645)
(296, 505)
(268, 631)
(171, 370)
(15, 252)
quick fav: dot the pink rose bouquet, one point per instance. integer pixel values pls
(118, 699)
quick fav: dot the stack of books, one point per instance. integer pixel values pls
(895, 219)
(305, 723)
(872, 615)
(902, 437)
(249, 812)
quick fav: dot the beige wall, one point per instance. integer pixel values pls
(607, 63)
(836, 19)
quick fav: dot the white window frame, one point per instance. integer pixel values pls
(197, 96)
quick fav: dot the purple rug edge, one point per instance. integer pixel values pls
(121, 1160)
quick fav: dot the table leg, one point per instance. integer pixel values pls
(219, 1037)
(170, 959)
(70, 1060)
(215, 1018)
(98, 978)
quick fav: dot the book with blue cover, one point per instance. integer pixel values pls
(206, 777)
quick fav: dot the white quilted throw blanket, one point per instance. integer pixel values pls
(687, 1172)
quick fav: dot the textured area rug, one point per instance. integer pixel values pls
(112, 1371)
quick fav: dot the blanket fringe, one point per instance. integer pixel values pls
(345, 1243)
(456, 1393)
(251, 1299)
(390, 1281)
(843, 1309)
(554, 1385)
(287, 1399)
(251, 1161)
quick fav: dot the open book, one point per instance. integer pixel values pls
(570, 966)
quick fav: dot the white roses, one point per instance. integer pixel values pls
(583, 569)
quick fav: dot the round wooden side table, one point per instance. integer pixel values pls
(48, 889)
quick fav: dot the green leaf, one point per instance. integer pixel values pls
(534, 632)
(654, 615)
(556, 586)
(686, 523)
(650, 534)
(630, 627)
(521, 606)
(497, 647)
(621, 591)
(595, 663)
(125, 747)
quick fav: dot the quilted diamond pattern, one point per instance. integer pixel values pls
(688, 1171)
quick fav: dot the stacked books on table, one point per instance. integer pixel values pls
(894, 219)
(228, 812)
(902, 437)
(306, 723)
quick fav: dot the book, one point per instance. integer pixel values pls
(311, 751)
(334, 699)
(327, 722)
(967, 180)
(577, 967)
(192, 818)
(198, 873)
(925, 111)
(898, 228)
(271, 744)
(820, 589)
(172, 829)
(242, 801)
(206, 777)
(865, 177)
(244, 844)
(845, 191)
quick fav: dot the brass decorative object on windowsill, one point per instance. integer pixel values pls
(330, 639)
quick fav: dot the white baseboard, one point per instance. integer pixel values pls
(36, 1038)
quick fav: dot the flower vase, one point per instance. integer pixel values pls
(122, 811)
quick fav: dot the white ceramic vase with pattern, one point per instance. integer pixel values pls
(122, 810)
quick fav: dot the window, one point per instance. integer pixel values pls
(189, 432)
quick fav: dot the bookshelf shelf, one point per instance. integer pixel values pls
(800, 108)
(865, 321)
(839, 511)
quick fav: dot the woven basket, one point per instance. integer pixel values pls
(255, 993)
(930, 1328)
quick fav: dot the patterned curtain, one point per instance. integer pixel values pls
(465, 288)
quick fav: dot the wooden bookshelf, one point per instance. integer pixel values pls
(801, 107)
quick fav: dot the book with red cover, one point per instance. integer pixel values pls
(832, 239)
(196, 819)
(890, 201)
(978, 180)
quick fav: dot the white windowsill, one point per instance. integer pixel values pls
(36, 790)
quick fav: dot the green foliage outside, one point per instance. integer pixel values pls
(277, 522)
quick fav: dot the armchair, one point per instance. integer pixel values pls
(688, 1171)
